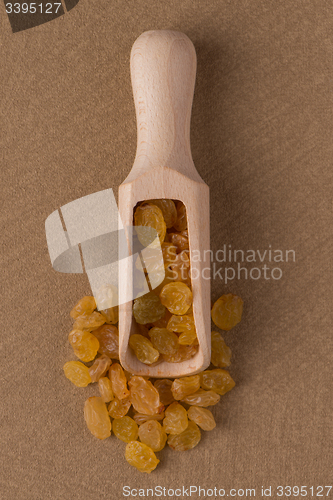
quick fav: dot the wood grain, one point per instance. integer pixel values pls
(163, 68)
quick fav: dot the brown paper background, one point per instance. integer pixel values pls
(262, 140)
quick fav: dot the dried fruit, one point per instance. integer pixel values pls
(111, 315)
(143, 349)
(105, 389)
(144, 396)
(126, 429)
(163, 340)
(179, 241)
(187, 440)
(106, 296)
(97, 417)
(202, 398)
(182, 387)
(219, 381)
(181, 223)
(119, 407)
(187, 338)
(180, 268)
(181, 324)
(78, 373)
(164, 389)
(152, 434)
(89, 322)
(85, 344)
(183, 353)
(227, 311)
(118, 381)
(168, 209)
(141, 418)
(148, 308)
(108, 338)
(141, 456)
(175, 420)
(168, 278)
(99, 368)
(202, 417)
(86, 305)
(221, 354)
(176, 297)
(149, 216)
(169, 253)
(162, 323)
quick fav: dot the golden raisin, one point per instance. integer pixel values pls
(97, 417)
(162, 323)
(202, 417)
(149, 216)
(143, 349)
(148, 308)
(85, 344)
(187, 338)
(181, 223)
(187, 440)
(180, 268)
(141, 456)
(168, 278)
(144, 396)
(126, 429)
(111, 315)
(181, 324)
(168, 209)
(164, 389)
(106, 297)
(176, 297)
(183, 353)
(99, 368)
(221, 354)
(77, 373)
(119, 407)
(182, 387)
(227, 311)
(169, 253)
(163, 340)
(89, 322)
(141, 418)
(179, 241)
(105, 389)
(219, 381)
(86, 305)
(118, 381)
(202, 398)
(152, 434)
(108, 338)
(175, 420)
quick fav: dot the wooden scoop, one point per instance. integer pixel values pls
(163, 68)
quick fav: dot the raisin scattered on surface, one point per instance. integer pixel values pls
(202, 417)
(97, 417)
(77, 373)
(85, 306)
(126, 429)
(153, 435)
(141, 456)
(227, 311)
(175, 420)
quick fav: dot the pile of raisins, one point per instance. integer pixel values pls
(164, 315)
(147, 414)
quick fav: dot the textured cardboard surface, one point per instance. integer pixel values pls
(261, 139)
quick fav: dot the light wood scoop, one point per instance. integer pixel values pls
(163, 68)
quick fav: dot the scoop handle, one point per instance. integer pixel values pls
(163, 69)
